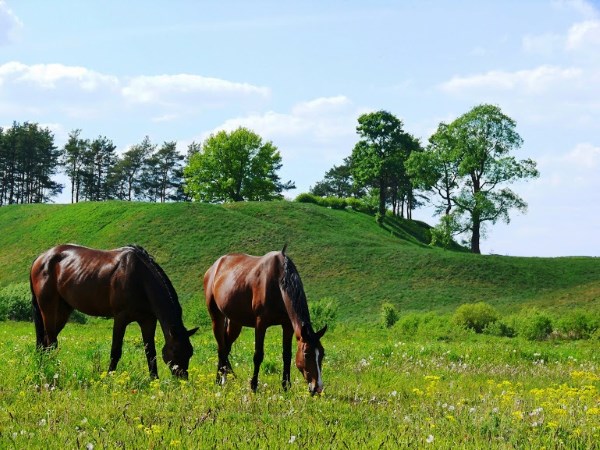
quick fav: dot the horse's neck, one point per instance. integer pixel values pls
(170, 329)
(295, 315)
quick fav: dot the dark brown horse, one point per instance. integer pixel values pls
(125, 283)
(258, 292)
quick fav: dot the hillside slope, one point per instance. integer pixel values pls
(340, 254)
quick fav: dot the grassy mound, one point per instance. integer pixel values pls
(340, 254)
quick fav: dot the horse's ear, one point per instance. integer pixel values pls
(192, 331)
(321, 332)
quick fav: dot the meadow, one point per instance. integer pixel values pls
(382, 389)
(424, 382)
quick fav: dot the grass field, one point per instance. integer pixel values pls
(382, 389)
(340, 254)
(435, 386)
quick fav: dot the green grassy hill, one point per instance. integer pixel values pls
(340, 254)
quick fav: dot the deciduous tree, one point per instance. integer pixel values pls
(235, 166)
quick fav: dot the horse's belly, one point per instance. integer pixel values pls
(90, 302)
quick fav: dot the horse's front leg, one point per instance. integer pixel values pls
(259, 343)
(116, 350)
(148, 328)
(288, 332)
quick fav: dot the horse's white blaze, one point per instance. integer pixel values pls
(319, 380)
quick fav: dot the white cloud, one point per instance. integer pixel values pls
(531, 81)
(322, 120)
(584, 156)
(321, 105)
(584, 36)
(9, 24)
(81, 92)
(53, 76)
(169, 89)
(312, 137)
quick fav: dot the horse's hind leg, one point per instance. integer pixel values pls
(55, 320)
(218, 326)
(233, 331)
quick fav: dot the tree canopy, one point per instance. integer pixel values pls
(235, 166)
(468, 164)
(378, 158)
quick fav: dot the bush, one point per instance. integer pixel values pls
(324, 312)
(500, 329)
(409, 324)
(534, 326)
(356, 204)
(576, 325)
(389, 315)
(308, 198)
(475, 316)
(15, 304)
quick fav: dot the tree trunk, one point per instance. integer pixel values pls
(476, 234)
(381, 198)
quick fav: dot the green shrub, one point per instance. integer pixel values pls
(499, 328)
(577, 325)
(534, 326)
(475, 316)
(15, 304)
(389, 315)
(408, 324)
(324, 312)
(307, 198)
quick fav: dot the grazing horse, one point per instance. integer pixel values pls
(260, 291)
(126, 284)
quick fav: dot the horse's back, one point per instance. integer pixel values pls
(240, 285)
(83, 277)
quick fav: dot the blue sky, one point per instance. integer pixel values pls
(300, 74)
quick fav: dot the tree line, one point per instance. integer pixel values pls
(464, 170)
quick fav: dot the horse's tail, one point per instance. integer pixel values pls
(291, 284)
(37, 316)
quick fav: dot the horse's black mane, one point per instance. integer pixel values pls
(292, 284)
(141, 251)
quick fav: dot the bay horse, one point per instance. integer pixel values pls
(125, 284)
(258, 292)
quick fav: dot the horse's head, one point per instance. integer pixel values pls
(177, 353)
(309, 358)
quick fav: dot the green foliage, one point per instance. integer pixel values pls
(534, 325)
(442, 233)
(500, 328)
(577, 324)
(235, 166)
(377, 160)
(389, 315)
(475, 316)
(356, 204)
(324, 312)
(468, 164)
(408, 324)
(15, 304)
